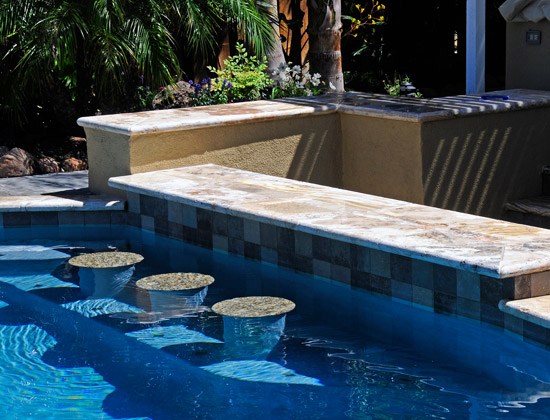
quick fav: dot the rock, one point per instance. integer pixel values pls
(73, 164)
(16, 162)
(47, 165)
(177, 95)
(77, 143)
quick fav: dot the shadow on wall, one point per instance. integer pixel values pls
(478, 171)
(317, 154)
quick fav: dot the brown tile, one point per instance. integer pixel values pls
(340, 253)
(133, 202)
(422, 296)
(444, 279)
(303, 244)
(540, 284)
(71, 217)
(360, 258)
(97, 218)
(220, 242)
(380, 263)
(268, 235)
(16, 219)
(469, 308)
(401, 290)
(491, 291)
(340, 273)
(444, 303)
(252, 231)
(467, 285)
(422, 274)
(401, 268)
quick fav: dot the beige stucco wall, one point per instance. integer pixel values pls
(303, 148)
(527, 66)
(108, 156)
(477, 164)
(470, 164)
(382, 156)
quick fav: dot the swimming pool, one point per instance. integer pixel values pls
(345, 352)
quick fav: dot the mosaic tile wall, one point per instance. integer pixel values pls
(431, 286)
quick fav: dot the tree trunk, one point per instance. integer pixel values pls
(325, 32)
(275, 55)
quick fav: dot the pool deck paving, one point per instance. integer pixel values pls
(53, 192)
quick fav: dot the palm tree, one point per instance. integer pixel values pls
(96, 48)
(325, 32)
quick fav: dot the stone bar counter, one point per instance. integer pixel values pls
(466, 153)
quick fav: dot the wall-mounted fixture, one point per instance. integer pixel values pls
(533, 37)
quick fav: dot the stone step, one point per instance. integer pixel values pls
(534, 211)
(535, 310)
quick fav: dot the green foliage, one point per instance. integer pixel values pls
(247, 74)
(363, 19)
(105, 52)
(210, 92)
(393, 87)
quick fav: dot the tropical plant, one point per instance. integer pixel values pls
(102, 50)
(325, 33)
(363, 18)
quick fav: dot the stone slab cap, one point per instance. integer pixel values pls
(535, 310)
(254, 306)
(525, 10)
(106, 259)
(175, 281)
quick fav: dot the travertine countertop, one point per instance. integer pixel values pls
(368, 104)
(254, 306)
(175, 281)
(492, 247)
(106, 259)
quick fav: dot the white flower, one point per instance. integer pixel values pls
(299, 85)
(296, 70)
(309, 92)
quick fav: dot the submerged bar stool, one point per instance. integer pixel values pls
(173, 292)
(253, 325)
(104, 274)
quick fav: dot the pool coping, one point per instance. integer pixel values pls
(493, 247)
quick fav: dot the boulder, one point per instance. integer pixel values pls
(16, 162)
(47, 165)
(177, 95)
(72, 164)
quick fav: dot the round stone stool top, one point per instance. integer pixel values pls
(254, 306)
(175, 281)
(106, 259)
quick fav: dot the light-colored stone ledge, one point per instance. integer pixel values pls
(487, 246)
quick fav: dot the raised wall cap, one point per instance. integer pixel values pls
(525, 10)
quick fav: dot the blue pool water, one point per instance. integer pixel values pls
(344, 353)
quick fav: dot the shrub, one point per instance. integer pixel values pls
(246, 73)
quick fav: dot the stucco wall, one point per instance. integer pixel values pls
(527, 66)
(108, 156)
(382, 157)
(477, 164)
(303, 148)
